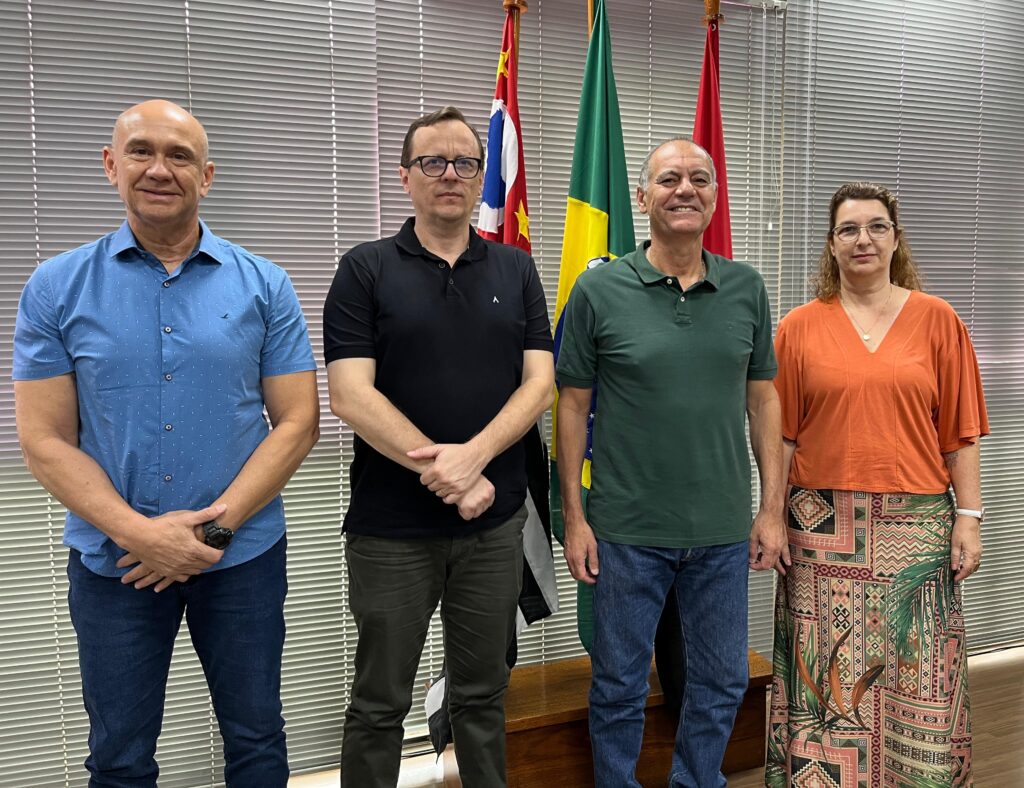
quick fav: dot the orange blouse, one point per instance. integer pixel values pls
(878, 422)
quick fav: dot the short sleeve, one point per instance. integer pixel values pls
(538, 327)
(577, 349)
(349, 312)
(286, 347)
(762, 364)
(788, 382)
(39, 350)
(961, 415)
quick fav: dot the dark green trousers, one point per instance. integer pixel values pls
(394, 588)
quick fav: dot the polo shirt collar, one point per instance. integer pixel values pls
(409, 242)
(649, 274)
(209, 244)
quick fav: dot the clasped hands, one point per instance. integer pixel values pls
(170, 548)
(454, 476)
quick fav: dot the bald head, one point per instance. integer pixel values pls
(682, 142)
(158, 159)
(158, 112)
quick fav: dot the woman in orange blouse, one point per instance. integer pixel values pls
(882, 411)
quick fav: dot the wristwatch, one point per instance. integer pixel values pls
(978, 513)
(215, 536)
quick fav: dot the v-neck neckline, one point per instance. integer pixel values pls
(856, 335)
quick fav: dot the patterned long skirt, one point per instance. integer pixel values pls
(870, 668)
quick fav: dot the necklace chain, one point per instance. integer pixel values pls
(866, 335)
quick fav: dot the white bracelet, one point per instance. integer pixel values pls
(976, 513)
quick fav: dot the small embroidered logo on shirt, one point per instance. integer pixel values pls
(496, 301)
(224, 316)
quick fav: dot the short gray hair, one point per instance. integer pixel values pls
(645, 169)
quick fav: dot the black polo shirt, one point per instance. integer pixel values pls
(449, 343)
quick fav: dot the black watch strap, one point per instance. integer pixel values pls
(216, 536)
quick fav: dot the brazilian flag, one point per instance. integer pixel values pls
(598, 225)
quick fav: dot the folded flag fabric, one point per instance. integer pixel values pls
(598, 226)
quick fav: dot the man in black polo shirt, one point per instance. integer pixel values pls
(438, 351)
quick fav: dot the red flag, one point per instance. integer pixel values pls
(707, 132)
(503, 212)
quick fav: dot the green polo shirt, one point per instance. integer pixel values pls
(670, 465)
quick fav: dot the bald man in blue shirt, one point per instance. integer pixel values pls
(142, 364)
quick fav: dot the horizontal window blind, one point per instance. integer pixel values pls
(927, 100)
(306, 105)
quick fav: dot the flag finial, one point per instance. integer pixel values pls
(712, 11)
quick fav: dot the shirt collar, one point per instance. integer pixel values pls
(209, 244)
(409, 242)
(649, 274)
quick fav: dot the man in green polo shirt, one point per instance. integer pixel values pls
(679, 344)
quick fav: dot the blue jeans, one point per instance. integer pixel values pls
(710, 584)
(125, 639)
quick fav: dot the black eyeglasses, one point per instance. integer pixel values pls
(848, 233)
(435, 166)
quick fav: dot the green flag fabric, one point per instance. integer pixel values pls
(598, 225)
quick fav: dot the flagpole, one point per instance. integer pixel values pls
(590, 17)
(708, 131)
(517, 8)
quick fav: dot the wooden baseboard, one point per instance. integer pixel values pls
(548, 740)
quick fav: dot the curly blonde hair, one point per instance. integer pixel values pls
(903, 270)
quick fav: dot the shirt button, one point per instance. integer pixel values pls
(168, 377)
(167, 284)
(669, 280)
(682, 298)
(451, 281)
(167, 329)
(440, 265)
(168, 427)
(168, 478)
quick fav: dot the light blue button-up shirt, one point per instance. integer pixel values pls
(168, 370)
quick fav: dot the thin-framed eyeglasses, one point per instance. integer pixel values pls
(435, 166)
(848, 233)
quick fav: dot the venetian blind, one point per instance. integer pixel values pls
(306, 104)
(926, 98)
